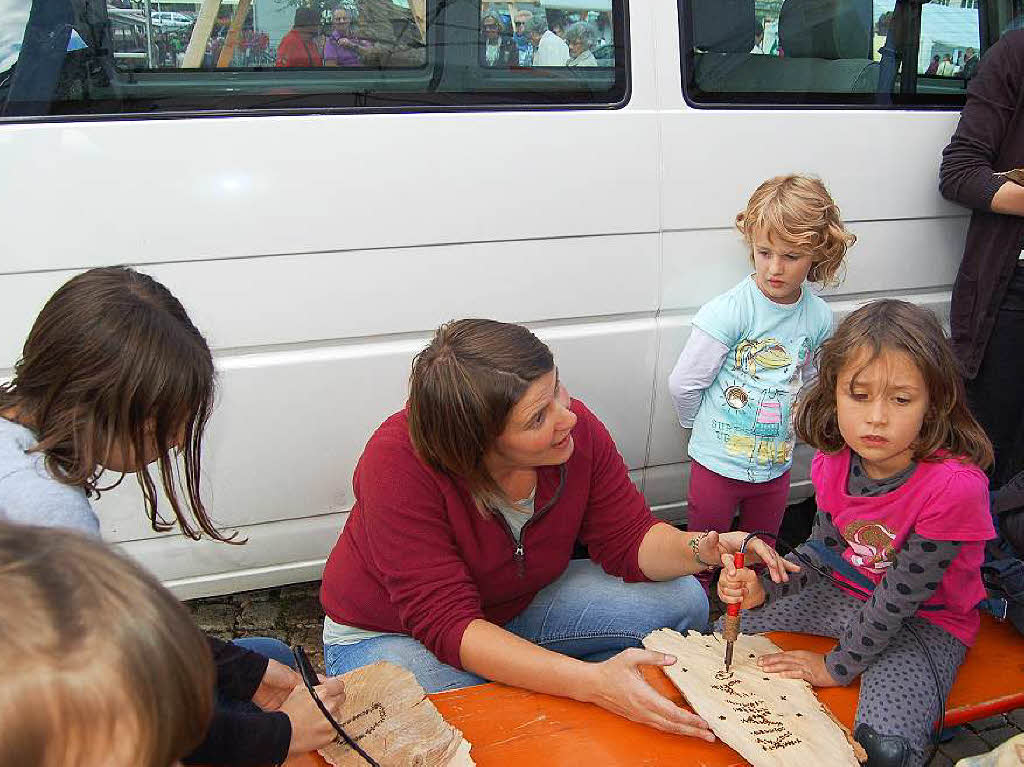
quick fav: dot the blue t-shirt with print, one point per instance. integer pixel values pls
(744, 428)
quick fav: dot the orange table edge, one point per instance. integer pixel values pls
(508, 725)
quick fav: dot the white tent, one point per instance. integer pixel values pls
(945, 29)
(566, 5)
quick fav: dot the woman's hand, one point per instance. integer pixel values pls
(742, 586)
(799, 664)
(757, 551)
(275, 687)
(619, 687)
(310, 728)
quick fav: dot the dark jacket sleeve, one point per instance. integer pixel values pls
(239, 671)
(967, 175)
(244, 738)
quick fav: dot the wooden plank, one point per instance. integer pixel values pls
(770, 721)
(228, 51)
(200, 34)
(387, 714)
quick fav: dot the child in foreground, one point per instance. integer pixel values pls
(750, 352)
(103, 667)
(903, 516)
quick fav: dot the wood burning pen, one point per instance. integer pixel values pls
(732, 614)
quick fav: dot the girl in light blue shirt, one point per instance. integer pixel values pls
(751, 351)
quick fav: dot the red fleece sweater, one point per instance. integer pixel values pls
(417, 558)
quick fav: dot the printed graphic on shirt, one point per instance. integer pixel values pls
(754, 421)
(762, 353)
(872, 544)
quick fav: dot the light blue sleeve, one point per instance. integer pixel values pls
(825, 322)
(30, 497)
(724, 319)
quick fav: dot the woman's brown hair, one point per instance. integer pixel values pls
(891, 325)
(96, 653)
(463, 387)
(799, 211)
(113, 361)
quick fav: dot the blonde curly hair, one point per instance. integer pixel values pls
(799, 211)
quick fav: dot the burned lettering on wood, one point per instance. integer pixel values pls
(759, 715)
(783, 741)
(377, 709)
(729, 689)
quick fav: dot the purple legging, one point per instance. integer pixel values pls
(712, 502)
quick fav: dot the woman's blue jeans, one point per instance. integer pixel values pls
(585, 614)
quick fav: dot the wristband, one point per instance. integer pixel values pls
(694, 543)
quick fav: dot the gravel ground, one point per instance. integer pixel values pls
(293, 615)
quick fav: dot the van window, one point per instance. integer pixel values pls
(857, 52)
(82, 58)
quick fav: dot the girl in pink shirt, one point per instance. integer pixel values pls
(903, 516)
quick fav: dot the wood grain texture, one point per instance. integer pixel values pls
(770, 721)
(388, 714)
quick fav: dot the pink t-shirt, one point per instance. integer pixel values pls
(945, 500)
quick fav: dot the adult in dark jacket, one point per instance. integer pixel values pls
(496, 46)
(456, 559)
(987, 314)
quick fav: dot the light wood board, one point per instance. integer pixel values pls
(770, 721)
(388, 714)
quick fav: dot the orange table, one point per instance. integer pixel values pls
(510, 726)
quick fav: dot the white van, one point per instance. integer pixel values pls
(319, 222)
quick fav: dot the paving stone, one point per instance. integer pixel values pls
(1016, 718)
(997, 737)
(302, 611)
(965, 745)
(260, 616)
(216, 617)
(301, 590)
(310, 637)
(988, 723)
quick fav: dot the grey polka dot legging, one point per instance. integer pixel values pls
(898, 694)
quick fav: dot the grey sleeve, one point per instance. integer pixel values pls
(29, 496)
(915, 574)
(695, 370)
(823, 530)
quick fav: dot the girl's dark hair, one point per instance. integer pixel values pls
(113, 361)
(94, 650)
(891, 325)
(463, 387)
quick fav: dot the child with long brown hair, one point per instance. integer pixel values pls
(750, 352)
(114, 376)
(903, 516)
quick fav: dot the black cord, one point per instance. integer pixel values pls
(851, 587)
(308, 678)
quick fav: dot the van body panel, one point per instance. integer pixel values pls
(317, 253)
(266, 177)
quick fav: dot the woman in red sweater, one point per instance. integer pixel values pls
(456, 559)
